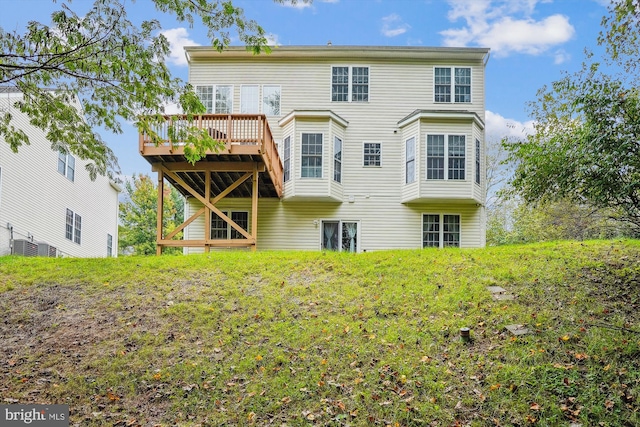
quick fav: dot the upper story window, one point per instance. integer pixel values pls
(271, 100)
(459, 85)
(217, 99)
(372, 154)
(410, 160)
(449, 151)
(73, 228)
(286, 159)
(311, 155)
(249, 99)
(67, 165)
(349, 84)
(477, 161)
(337, 159)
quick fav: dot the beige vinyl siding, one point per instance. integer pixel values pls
(35, 197)
(396, 89)
(479, 191)
(296, 225)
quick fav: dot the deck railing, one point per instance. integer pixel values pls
(240, 133)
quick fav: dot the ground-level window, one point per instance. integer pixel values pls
(109, 245)
(73, 229)
(222, 230)
(340, 236)
(440, 230)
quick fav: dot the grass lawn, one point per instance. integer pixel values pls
(312, 338)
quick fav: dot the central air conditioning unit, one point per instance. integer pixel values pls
(45, 249)
(25, 248)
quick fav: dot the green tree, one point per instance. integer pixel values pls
(585, 146)
(138, 215)
(116, 69)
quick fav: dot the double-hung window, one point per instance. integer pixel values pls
(67, 165)
(410, 160)
(456, 80)
(372, 154)
(286, 159)
(109, 245)
(311, 150)
(446, 152)
(217, 99)
(337, 159)
(440, 230)
(349, 84)
(477, 161)
(73, 229)
(222, 230)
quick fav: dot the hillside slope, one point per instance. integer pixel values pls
(305, 338)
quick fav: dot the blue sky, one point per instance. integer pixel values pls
(532, 42)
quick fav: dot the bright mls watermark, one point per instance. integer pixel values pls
(34, 415)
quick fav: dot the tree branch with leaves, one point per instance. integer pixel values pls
(114, 69)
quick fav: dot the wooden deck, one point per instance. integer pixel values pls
(247, 166)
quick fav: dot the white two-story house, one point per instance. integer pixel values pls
(48, 204)
(351, 148)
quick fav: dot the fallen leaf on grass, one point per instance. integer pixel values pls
(534, 406)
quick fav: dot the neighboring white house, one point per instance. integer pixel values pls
(380, 147)
(48, 204)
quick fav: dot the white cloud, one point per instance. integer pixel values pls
(506, 26)
(392, 25)
(178, 38)
(498, 127)
(561, 56)
(298, 5)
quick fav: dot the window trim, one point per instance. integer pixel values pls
(452, 84)
(407, 160)
(441, 232)
(446, 157)
(315, 155)
(364, 144)
(350, 83)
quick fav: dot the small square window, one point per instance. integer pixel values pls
(372, 155)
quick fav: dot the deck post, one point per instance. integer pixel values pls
(160, 212)
(254, 208)
(207, 211)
